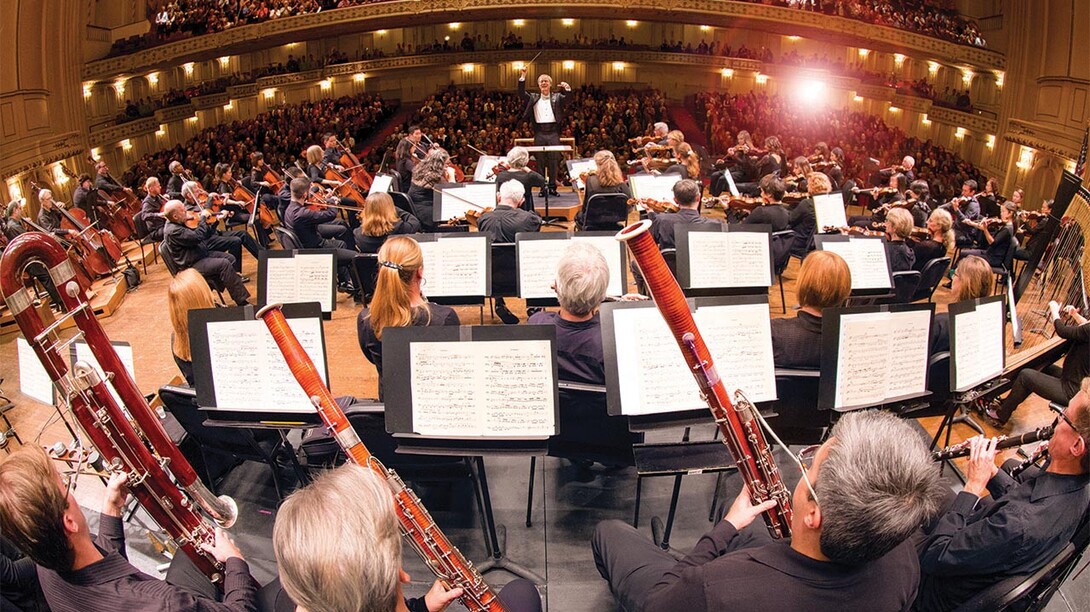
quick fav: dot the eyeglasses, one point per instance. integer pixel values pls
(69, 481)
(805, 460)
(1062, 414)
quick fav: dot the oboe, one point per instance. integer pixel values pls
(446, 561)
(737, 421)
(963, 448)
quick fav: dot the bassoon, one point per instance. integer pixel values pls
(160, 477)
(446, 561)
(737, 420)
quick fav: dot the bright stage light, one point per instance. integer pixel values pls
(810, 92)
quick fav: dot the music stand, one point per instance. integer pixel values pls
(537, 255)
(298, 276)
(866, 256)
(458, 268)
(452, 401)
(546, 219)
(742, 255)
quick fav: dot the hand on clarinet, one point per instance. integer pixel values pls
(439, 597)
(982, 465)
(224, 548)
(742, 511)
(116, 494)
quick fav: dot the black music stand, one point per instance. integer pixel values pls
(264, 262)
(865, 290)
(400, 414)
(470, 297)
(546, 149)
(616, 256)
(687, 260)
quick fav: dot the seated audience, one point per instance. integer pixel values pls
(824, 282)
(868, 488)
(379, 220)
(187, 291)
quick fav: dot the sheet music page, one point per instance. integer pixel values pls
(978, 345)
(653, 374)
(579, 166)
(124, 353)
(739, 337)
(730, 183)
(281, 280)
(909, 338)
(248, 367)
(618, 274)
(34, 381)
(483, 172)
(866, 258)
(729, 259)
(381, 184)
(863, 360)
(315, 274)
(456, 200)
(654, 187)
(455, 266)
(829, 211)
(482, 389)
(537, 261)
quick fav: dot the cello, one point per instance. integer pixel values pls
(360, 177)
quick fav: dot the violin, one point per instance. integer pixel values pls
(654, 205)
(471, 217)
(875, 191)
(1031, 215)
(920, 233)
(993, 224)
(855, 231)
(737, 203)
(500, 167)
(794, 196)
(587, 173)
(640, 141)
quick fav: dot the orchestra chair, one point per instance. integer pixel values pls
(213, 283)
(904, 287)
(781, 256)
(670, 256)
(587, 433)
(932, 274)
(402, 201)
(143, 237)
(798, 419)
(604, 212)
(1004, 271)
(289, 241)
(366, 268)
(504, 273)
(1033, 591)
(226, 446)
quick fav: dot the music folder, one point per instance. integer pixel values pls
(866, 258)
(297, 276)
(723, 259)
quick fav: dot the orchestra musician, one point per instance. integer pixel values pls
(862, 494)
(772, 211)
(905, 167)
(796, 179)
(686, 162)
(176, 181)
(78, 571)
(919, 194)
(104, 181)
(660, 131)
(972, 279)
(834, 169)
(379, 220)
(886, 198)
(398, 300)
(317, 227)
(225, 185)
(1054, 383)
(188, 291)
(503, 224)
(151, 208)
(939, 241)
(607, 178)
(188, 248)
(323, 569)
(965, 208)
(998, 241)
(545, 111)
(773, 162)
(331, 152)
(225, 241)
(743, 171)
(1000, 526)
(687, 197)
(898, 230)
(256, 182)
(13, 226)
(517, 158)
(802, 218)
(824, 282)
(1032, 231)
(426, 175)
(86, 197)
(49, 216)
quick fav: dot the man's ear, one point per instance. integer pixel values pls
(71, 525)
(813, 518)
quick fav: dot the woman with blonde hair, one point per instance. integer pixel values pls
(688, 162)
(398, 301)
(898, 229)
(939, 241)
(187, 291)
(380, 220)
(824, 282)
(607, 179)
(972, 279)
(316, 167)
(426, 175)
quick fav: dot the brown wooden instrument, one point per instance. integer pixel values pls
(360, 177)
(160, 477)
(345, 188)
(737, 421)
(654, 205)
(441, 556)
(640, 141)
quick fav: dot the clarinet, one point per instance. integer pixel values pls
(737, 421)
(446, 561)
(160, 477)
(962, 449)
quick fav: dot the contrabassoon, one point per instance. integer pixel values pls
(446, 561)
(737, 420)
(160, 477)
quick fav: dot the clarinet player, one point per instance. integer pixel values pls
(545, 110)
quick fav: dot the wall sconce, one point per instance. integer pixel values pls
(14, 190)
(705, 28)
(761, 78)
(455, 25)
(188, 67)
(898, 59)
(225, 61)
(924, 120)
(863, 53)
(632, 23)
(1025, 158)
(618, 66)
(126, 145)
(568, 65)
(87, 89)
(359, 77)
(119, 87)
(894, 109)
(568, 22)
(229, 105)
(967, 77)
(467, 68)
(959, 133)
(999, 78)
(518, 23)
(990, 143)
(728, 72)
(59, 176)
(153, 78)
(268, 93)
(932, 68)
(326, 84)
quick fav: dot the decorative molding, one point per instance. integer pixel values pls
(913, 104)
(47, 152)
(175, 113)
(969, 121)
(210, 101)
(876, 92)
(401, 13)
(1041, 138)
(112, 134)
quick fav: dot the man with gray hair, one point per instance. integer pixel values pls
(187, 248)
(517, 158)
(661, 130)
(503, 223)
(862, 494)
(357, 566)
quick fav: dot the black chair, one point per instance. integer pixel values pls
(403, 202)
(1003, 272)
(930, 276)
(143, 237)
(366, 268)
(781, 256)
(798, 420)
(904, 286)
(604, 212)
(225, 447)
(504, 272)
(173, 269)
(1026, 591)
(289, 241)
(670, 255)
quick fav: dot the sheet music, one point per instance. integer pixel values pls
(456, 266)
(829, 211)
(730, 183)
(380, 184)
(124, 353)
(881, 356)
(977, 345)
(305, 277)
(453, 200)
(866, 258)
(483, 172)
(34, 381)
(654, 377)
(249, 372)
(729, 259)
(579, 166)
(654, 187)
(483, 389)
(537, 261)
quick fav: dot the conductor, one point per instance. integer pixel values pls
(545, 111)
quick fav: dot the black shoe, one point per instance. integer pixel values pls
(554, 192)
(506, 315)
(533, 311)
(244, 279)
(541, 194)
(346, 288)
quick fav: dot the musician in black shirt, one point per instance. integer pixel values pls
(86, 198)
(868, 488)
(517, 158)
(772, 211)
(898, 230)
(187, 248)
(49, 216)
(151, 209)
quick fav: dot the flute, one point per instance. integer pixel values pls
(963, 448)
